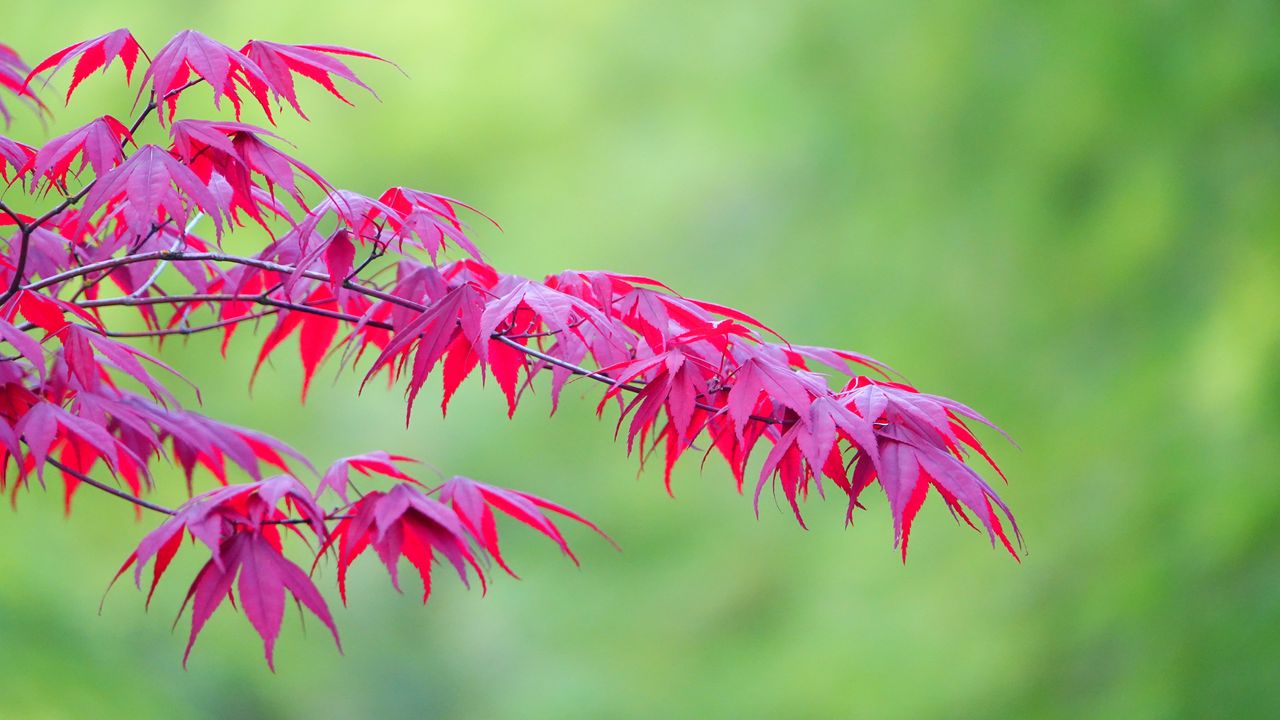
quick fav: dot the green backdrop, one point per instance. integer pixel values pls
(1065, 214)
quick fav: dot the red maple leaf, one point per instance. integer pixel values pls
(98, 145)
(93, 54)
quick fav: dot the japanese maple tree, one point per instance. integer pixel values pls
(392, 285)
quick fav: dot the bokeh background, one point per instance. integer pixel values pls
(1066, 214)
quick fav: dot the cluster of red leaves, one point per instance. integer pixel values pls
(241, 525)
(682, 374)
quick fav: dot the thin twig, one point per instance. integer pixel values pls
(189, 329)
(178, 242)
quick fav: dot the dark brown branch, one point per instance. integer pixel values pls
(88, 284)
(86, 479)
(189, 330)
(17, 219)
(213, 297)
(284, 305)
(348, 284)
(347, 317)
(111, 490)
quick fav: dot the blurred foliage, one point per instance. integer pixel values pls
(1064, 213)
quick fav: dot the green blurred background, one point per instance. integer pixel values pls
(1065, 213)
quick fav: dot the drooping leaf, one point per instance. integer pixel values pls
(15, 157)
(95, 53)
(98, 145)
(152, 186)
(475, 502)
(338, 476)
(13, 73)
(280, 62)
(191, 53)
(403, 522)
(236, 524)
(234, 151)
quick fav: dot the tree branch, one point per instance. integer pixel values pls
(154, 507)
(347, 317)
(189, 330)
(111, 490)
(348, 284)
(17, 219)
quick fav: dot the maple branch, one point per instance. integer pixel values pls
(111, 490)
(374, 254)
(259, 299)
(285, 305)
(24, 244)
(188, 329)
(88, 284)
(17, 219)
(348, 284)
(534, 336)
(179, 256)
(336, 515)
(575, 369)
